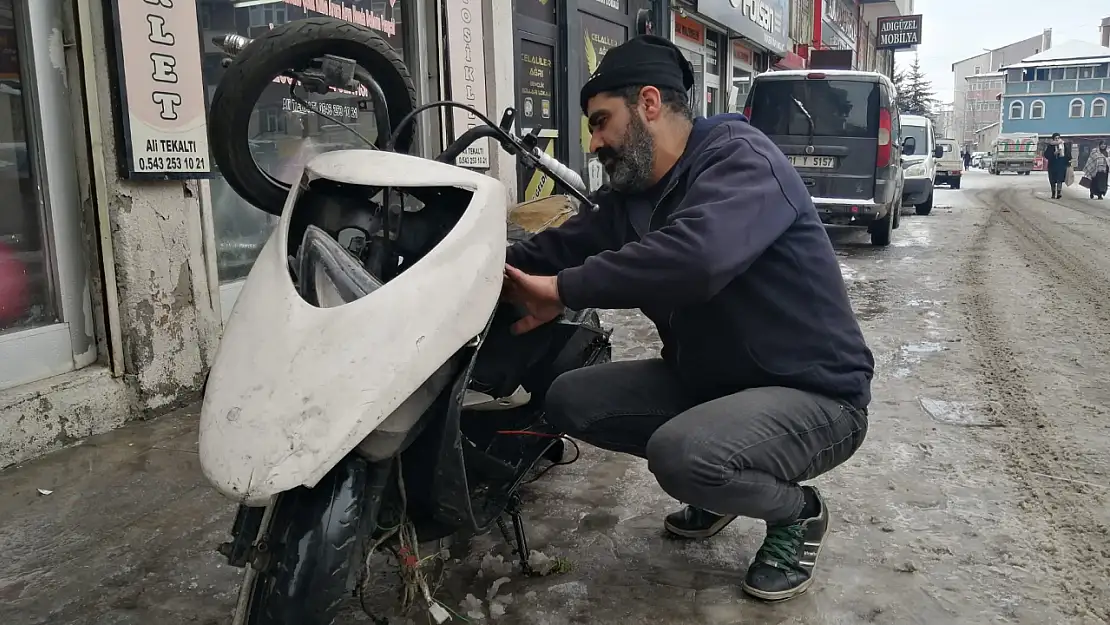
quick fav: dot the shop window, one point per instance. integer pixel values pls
(44, 327)
(1077, 108)
(1036, 110)
(713, 53)
(266, 14)
(285, 133)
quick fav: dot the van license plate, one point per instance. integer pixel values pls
(816, 162)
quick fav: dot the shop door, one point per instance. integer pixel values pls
(539, 84)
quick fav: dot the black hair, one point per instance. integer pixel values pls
(1055, 134)
(673, 99)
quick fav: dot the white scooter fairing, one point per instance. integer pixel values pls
(295, 388)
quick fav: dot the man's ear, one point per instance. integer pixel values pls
(652, 101)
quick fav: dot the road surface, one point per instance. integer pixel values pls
(981, 495)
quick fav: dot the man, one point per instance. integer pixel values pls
(764, 378)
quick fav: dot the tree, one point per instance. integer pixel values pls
(915, 92)
(901, 99)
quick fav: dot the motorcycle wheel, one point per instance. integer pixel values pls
(292, 45)
(311, 539)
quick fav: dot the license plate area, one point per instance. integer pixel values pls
(808, 161)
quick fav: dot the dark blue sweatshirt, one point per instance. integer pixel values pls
(729, 260)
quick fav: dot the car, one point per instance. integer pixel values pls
(920, 154)
(839, 128)
(950, 167)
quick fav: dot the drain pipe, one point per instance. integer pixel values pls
(99, 180)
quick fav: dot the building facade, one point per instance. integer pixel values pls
(1065, 90)
(870, 12)
(114, 287)
(982, 107)
(968, 92)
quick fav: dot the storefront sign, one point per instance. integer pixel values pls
(599, 36)
(689, 29)
(466, 65)
(162, 98)
(843, 16)
(742, 53)
(536, 105)
(762, 21)
(899, 33)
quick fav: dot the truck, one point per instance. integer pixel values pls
(1013, 151)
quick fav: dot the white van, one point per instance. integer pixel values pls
(950, 168)
(920, 153)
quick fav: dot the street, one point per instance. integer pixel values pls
(982, 494)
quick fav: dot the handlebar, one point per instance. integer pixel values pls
(569, 177)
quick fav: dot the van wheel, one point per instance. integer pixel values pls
(955, 184)
(896, 208)
(881, 229)
(925, 207)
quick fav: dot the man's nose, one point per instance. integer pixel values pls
(595, 142)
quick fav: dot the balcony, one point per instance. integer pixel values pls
(1068, 85)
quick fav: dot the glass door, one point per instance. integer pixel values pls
(45, 313)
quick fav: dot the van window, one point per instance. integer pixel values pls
(919, 137)
(840, 108)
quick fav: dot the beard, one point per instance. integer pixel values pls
(629, 165)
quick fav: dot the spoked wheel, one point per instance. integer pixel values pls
(294, 47)
(307, 548)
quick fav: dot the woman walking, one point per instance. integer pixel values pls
(1058, 157)
(1097, 169)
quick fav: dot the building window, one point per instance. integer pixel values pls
(1098, 107)
(205, 16)
(1017, 110)
(1076, 109)
(1056, 73)
(978, 70)
(1036, 110)
(1086, 72)
(266, 14)
(1071, 73)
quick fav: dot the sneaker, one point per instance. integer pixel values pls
(783, 566)
(691, 522)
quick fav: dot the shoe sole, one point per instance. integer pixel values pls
(709, 532)
(784, 595)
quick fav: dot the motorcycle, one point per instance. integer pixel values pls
(368, 396)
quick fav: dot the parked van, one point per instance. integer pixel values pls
(840, 130)
(920, 153)
(950, 167)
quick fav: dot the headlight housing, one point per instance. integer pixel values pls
(917, 169)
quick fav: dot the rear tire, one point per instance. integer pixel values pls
(882, 229)
(955, 184)
(312, 537)
(254, 69)
(925, 207)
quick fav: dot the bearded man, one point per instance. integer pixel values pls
(764, 378)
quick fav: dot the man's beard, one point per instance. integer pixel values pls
(629, 166)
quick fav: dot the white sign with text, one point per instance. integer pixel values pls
(466, 66)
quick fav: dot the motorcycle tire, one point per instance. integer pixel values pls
(311, 540)
(253, 70)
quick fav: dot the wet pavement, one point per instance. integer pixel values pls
(980, 496)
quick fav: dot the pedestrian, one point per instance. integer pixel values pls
(1058, 157)
(967, 160)
(1096, 170)
(764, 377)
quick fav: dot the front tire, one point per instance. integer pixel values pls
(925, 207)
(311, 540)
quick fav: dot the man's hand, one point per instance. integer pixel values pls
(539, 295)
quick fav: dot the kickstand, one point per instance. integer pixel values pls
(520, 543)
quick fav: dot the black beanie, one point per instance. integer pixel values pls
(648, 60)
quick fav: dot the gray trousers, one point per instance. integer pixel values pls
(741, 454)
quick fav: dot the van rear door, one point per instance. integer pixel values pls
(839, 160)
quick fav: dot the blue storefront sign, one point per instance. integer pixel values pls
(762, 21)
